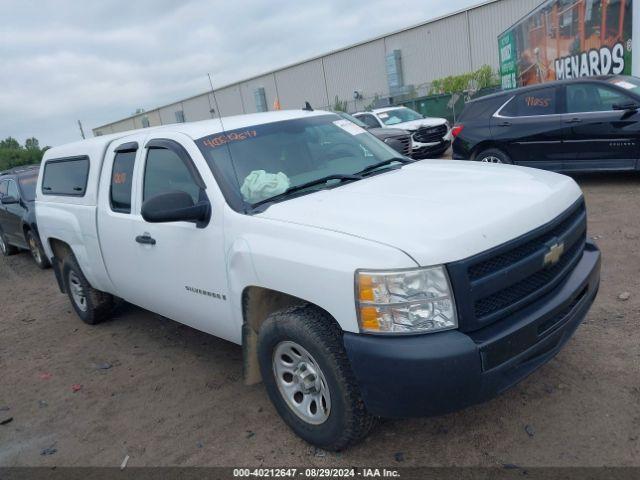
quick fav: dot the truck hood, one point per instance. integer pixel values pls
(413, 125)
(436, 211)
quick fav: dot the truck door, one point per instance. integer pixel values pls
(174, 269)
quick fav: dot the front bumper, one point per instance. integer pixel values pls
(436, 373)
(424, 151)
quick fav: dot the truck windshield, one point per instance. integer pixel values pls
(398, 115)
(256, 163)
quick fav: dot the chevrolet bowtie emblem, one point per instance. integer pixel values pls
(553, 255)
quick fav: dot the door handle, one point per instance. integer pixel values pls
(573, 120)
(145, 239)
(504, 124)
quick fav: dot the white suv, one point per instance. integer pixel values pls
(431, 136)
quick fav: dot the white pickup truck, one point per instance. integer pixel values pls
(360, 283)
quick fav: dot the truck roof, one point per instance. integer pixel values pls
(95, 148)
(193, 130)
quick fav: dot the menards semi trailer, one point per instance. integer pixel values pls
(564, 39)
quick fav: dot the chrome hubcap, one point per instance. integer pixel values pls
(35, 251)
(301, 382)
(491, 159)
(77, 292)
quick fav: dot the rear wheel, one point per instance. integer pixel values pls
(91, 305)
(5, 248)
(493, 155)
(308, 377)
(37, 252)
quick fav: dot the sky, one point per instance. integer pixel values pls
(98, 61)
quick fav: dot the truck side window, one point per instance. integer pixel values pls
(121, 181)
(166, 172)
(66, 176)
(3, 188)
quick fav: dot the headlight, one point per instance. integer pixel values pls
(405, 301)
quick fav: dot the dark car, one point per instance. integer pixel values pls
(396, 138)
(585, 124)
(18, 228)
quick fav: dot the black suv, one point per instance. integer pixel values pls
(18, 228)
(585, 124)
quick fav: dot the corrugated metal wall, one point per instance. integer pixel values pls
(300, 83)
(451, 45)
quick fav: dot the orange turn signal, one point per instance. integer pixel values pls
(369, 318)
(365, 288)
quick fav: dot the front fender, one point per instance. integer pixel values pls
(310, 263)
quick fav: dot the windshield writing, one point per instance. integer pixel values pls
(264, 161)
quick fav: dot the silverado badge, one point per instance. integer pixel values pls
(556, 249)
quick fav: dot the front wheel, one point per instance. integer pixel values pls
(493, 155)
(308, 377)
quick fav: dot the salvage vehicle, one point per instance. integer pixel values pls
(581, 125)
(360, 283)
(18, 229)
(396, 138)
(431, 136)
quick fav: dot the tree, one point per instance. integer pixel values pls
(32, 144)
(339, 105)
(10, 143)
(12, 154)
(484, 77)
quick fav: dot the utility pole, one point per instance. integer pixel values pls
(81, 130)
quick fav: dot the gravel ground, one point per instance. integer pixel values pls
(165, 394)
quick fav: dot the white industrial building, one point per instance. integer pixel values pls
(401, 62)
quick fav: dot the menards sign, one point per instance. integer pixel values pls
(564, 39)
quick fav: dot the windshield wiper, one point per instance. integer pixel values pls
(304, 186)
(384, 163)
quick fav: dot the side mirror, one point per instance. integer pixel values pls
(176, 206)
(627, 107)
(9, 200)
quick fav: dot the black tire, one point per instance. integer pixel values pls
(347, 419)
(37, 252)
(97, 305)
(5, 248)
(493, 155)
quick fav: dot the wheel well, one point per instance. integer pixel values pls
(61, 250)
(257, 304)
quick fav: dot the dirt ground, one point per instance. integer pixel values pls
(165, 394)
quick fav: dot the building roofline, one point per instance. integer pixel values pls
(311, 59)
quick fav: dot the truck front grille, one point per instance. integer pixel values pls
(505, 279)
(430, 134)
